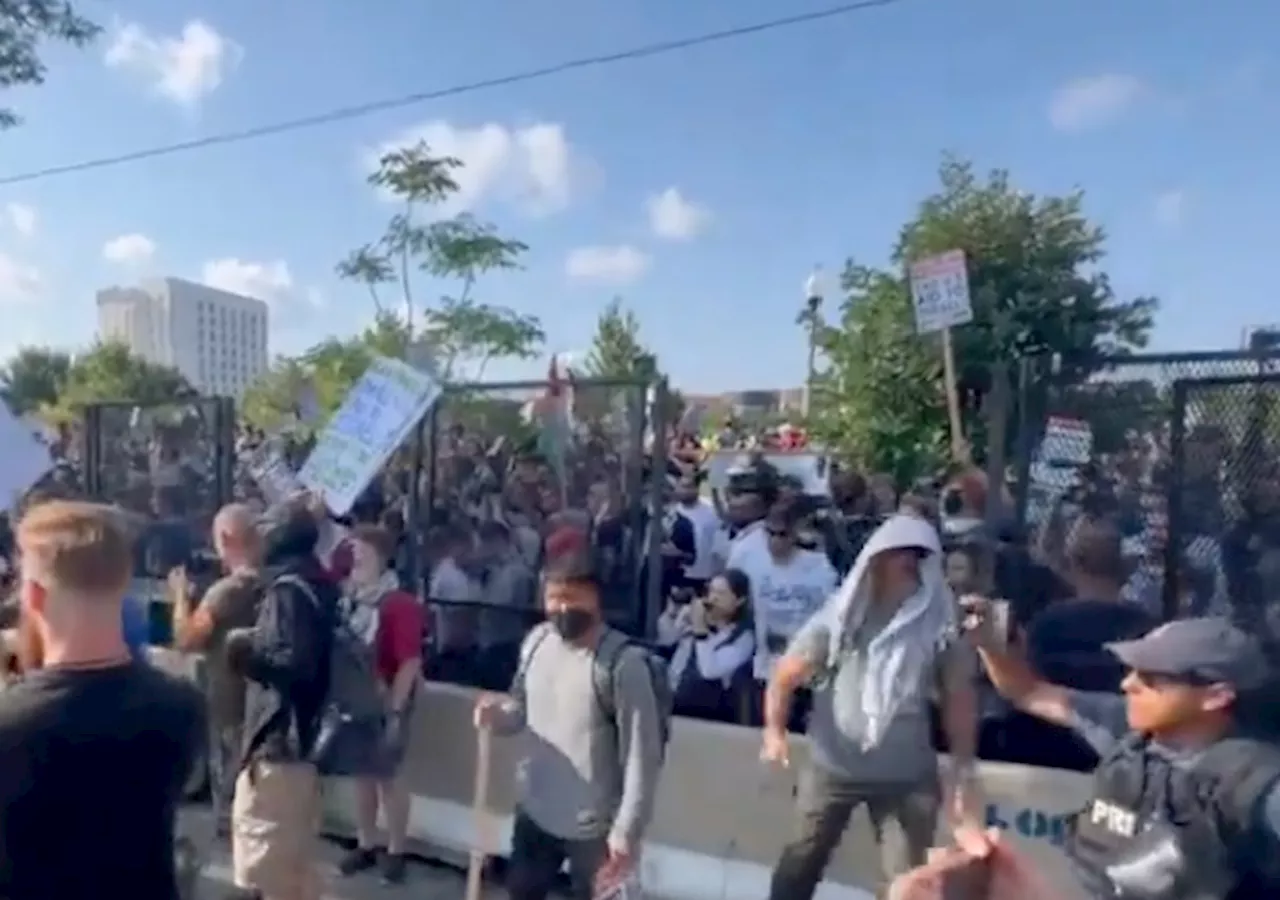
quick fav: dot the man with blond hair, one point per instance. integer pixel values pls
(94, 746)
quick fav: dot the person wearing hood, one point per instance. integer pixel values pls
(283, 658)
(875, 656)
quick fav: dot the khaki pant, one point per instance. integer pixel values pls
(275, 818)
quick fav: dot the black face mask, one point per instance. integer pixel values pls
(572, 623)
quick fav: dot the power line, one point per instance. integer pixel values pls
(377, 106)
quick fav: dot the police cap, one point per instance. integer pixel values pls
(1206, 649)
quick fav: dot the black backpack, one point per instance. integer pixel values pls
(607, 656)
(351, 738)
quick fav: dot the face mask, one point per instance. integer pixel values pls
(572, 623)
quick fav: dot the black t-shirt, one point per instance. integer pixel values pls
(1066, 642)
(92, 766)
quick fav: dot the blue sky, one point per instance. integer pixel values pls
(700, 186)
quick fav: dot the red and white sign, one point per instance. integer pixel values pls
(1067, 440)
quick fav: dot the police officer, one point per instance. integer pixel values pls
(1186, 804)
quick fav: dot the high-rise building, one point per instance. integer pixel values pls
(216, 339)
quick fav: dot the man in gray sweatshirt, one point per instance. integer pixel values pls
(590, 772)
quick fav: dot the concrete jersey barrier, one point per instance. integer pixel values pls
(721, 817)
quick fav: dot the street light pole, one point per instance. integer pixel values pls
(813, 296)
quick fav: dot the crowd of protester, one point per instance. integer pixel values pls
(516, 548)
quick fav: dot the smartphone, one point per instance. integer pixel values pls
(997, 621)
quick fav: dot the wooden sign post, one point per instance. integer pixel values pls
(940, 299)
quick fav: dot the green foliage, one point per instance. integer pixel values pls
(479, 413)
(1036, 288)
(1033, 274)
(462, 336)
(879, 402)
(329, 369)
(458, 333)
(616, 348)
(34, 378)
(270, 401)
(109, 372)
(24, 26)
(618, 353)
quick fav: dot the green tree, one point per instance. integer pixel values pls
(1036, 287)
(34, 378)
(270, 401)
(457, 331)
(878, 402)
(1035, 280)
(618, 353)
(110, 372)
(368, 266)
(617, 350)
(330, 369)
(26, 25)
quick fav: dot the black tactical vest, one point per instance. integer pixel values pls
(1158, 831)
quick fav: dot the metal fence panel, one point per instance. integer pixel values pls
(493, 455)
(1224, 489)
(173, 459)
(483, 436)
(1128, 408)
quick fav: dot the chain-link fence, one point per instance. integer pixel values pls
(171, 465)
(171, 459)
(526, 453)
(568, 440)
(1114, 425)
(1223, 548)
(1136, 443)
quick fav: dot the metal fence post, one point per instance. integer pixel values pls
(93, 451)
(1175, 498)
(431, 448)
(224, 429)
(413, 515)
(651, 604)
(1025, 439)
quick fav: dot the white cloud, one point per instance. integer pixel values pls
(183, 68)
(616, 265)
(269, 281)
(1092, 101)
(22, 218)
(129, 249)
(533, 166)
(1170, 207)
(673, 217)
(19, 282)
